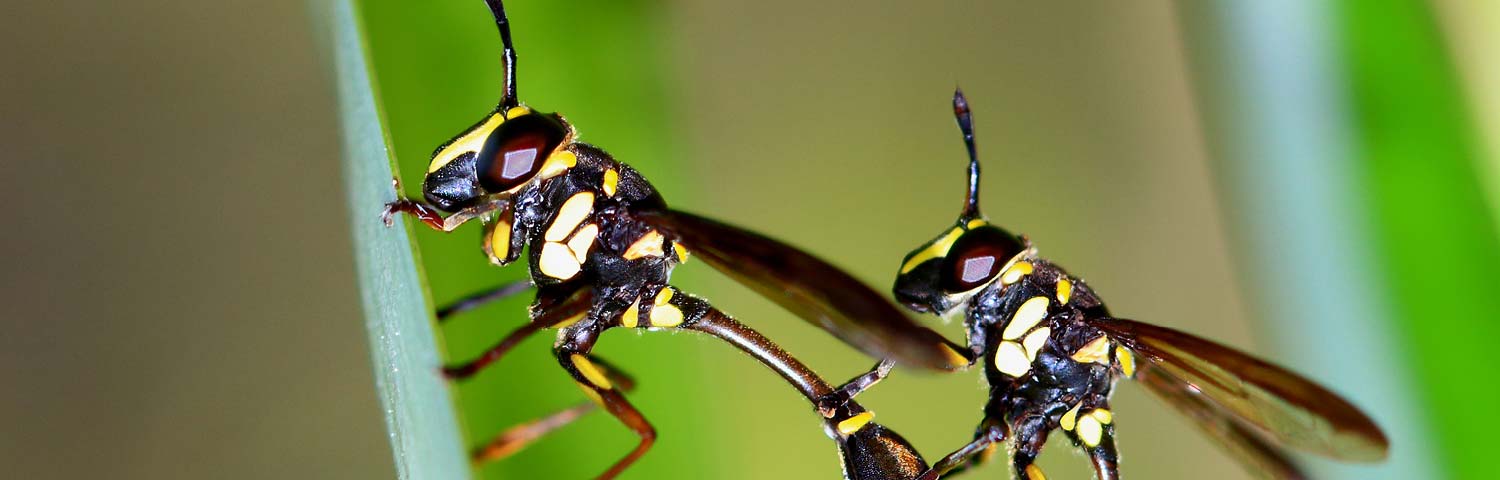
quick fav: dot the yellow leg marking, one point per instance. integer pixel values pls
(582, 240)
(593, 395)
(1015, 272)
(568, 322)
(935, 249)
(1127, 362)
(988, 452)
(1096, 351)
(558, 162)
(854, 423)
(1030, 313)
(955, 359)
(590, 371)
(558, 261)
(1035, 472)
(1103, 415)
(1010, 359)
(611, 182)
(516, 112)
(497, 243)
(470, 141)
(1089, 430)
(1070, 419)
(1035, 341)
(631, 317)
(1064, 291)
(649, 245)
(569, 215)
(666, 316)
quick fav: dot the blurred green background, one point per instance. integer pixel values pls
(1315, 182)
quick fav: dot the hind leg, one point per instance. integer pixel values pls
(1030, 434)
(1093, 430)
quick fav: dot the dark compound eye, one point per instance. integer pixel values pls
(516, 150)
(976, 258)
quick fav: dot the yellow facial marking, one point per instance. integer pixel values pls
(557, 261)
(666, 316)
(1064, 291)
(590, 371)
(632, 315)
(1070, 419)
(1015, 272)
(558, 162)
(516, 112)
(593, 395)
(649, 245)
(497, 243)
(854, 423)
(682, 252)
(1089, 430)
(470, 141)
(1010, 359)
(1030, 313)
(1103, 415)
(1035, 341)
(569, 215)
(1127, 362)
(1035, 472)
(936, 249)
(568, 322)
(611, 182)
(1096, 351)
(582, 240)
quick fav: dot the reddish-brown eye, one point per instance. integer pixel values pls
(976, 258)
(516, 150)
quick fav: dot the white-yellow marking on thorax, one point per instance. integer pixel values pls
(582, 241)
(1070, 419)
(852, 424)
(470, 141)
(1064, 291)
(938, 248)
(649, 245)
(1103, 415)
(1035, 341)
(497, 243)
(611, 182)
(557, 261)
(663, 313)
(1089, 430)
(1015, 272)
(1010, 359)
(682, 252)
(1096, 351)
(557, 162)
(1030, 313)
(1127, 361)
(632, 315)
(569, 215)
(590, 371)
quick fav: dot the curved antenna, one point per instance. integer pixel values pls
(508, 60)
(966, 125)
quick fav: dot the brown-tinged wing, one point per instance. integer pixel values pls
(811, 288)
(1233, 435)
(1282, 405)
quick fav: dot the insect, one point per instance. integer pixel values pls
(1051, 352)
(601, 243)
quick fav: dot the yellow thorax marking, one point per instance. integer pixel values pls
(854, 423)
(569, 215)
(649, 245)
(557, 162)
(1030, 313)
(611, 182)
(663, 313)
(470, 141)
(582, 240)
(1096, 350)
(631, 317)
(1015, 272)
(1064, 291)
(1127, 362)
(1070, 419)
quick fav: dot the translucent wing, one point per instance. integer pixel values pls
(1252, 394)
(1234, 436)
(811, 288)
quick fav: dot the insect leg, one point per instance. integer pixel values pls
(573, 308)
(515, 438)
(1093, 430)
(1030, 436)
(987, 438)
(700, 316)
(830, 403)
(572, 353)
(480, 298)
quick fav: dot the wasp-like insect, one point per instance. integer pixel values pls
(1052, 352)
(601, 243)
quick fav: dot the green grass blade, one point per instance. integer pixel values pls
(424, 430)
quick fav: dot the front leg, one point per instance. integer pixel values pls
(433, 217)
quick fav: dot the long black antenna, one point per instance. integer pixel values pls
(966, 125)
(508, 99)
